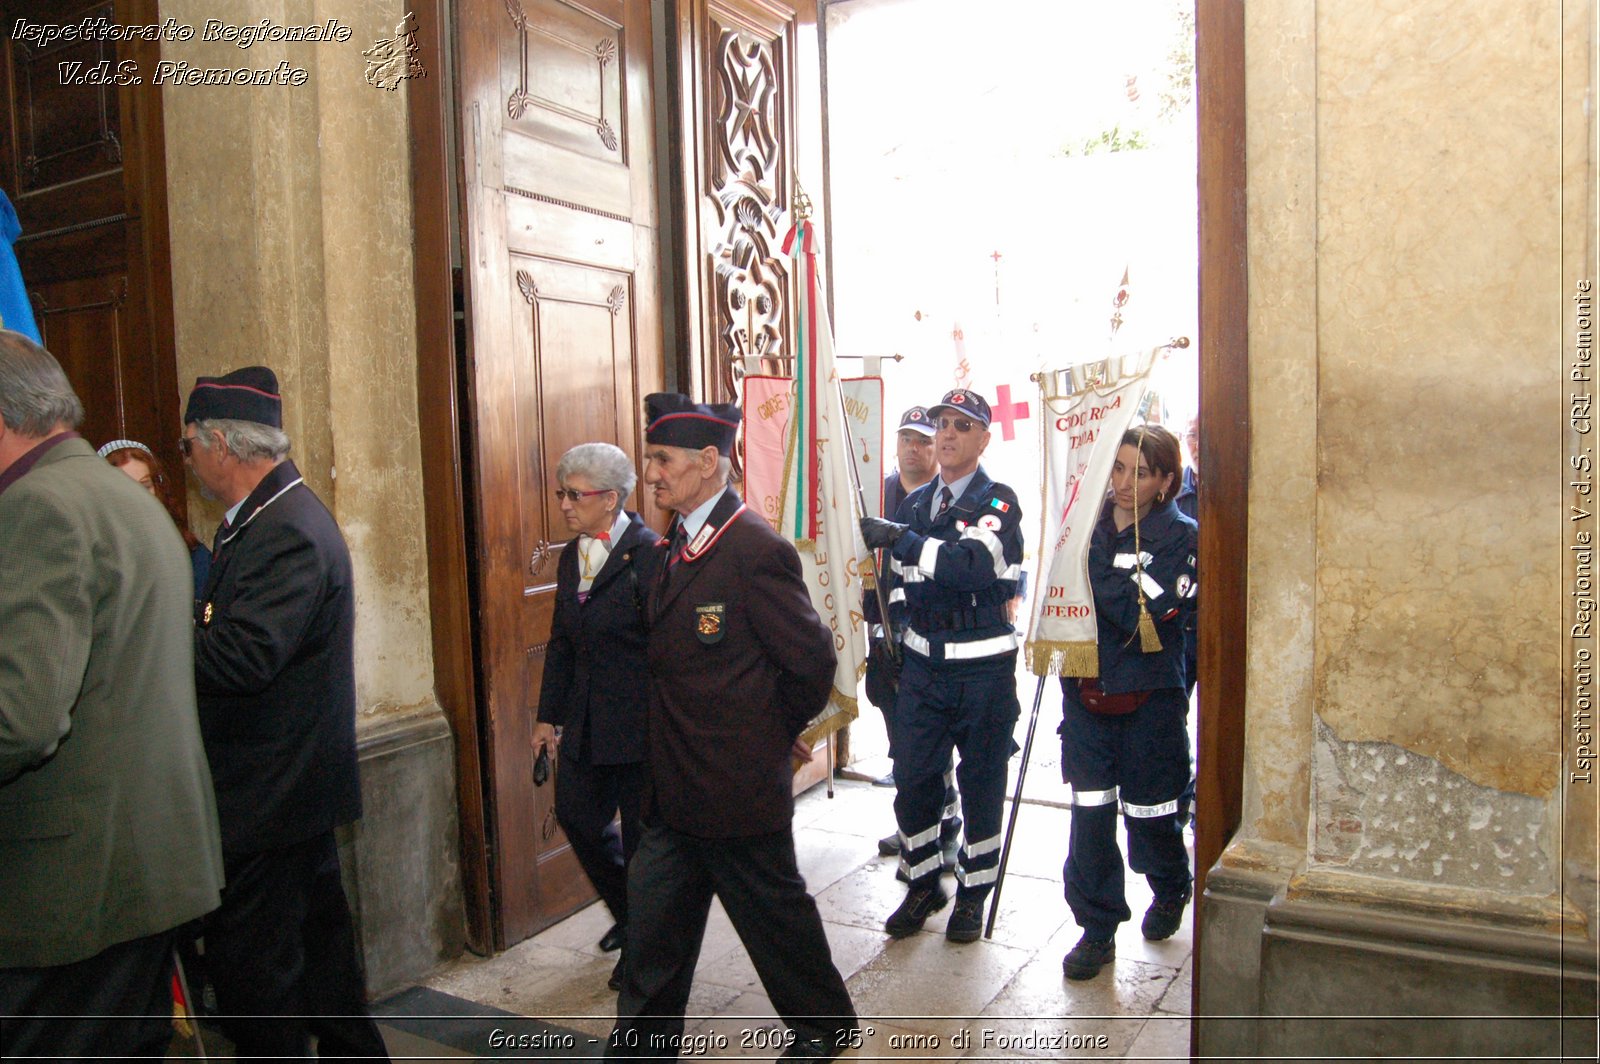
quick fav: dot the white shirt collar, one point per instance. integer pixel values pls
(957, 489)
(695, 519)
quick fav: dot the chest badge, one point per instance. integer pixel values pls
(708, 622)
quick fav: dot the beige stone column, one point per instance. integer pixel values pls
(1419, 180)
(291, 247)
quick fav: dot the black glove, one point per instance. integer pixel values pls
(879, 533)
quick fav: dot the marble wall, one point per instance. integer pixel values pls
(1407, 238)
(1420, 181)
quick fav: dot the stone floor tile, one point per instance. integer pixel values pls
(827, 856)
(579, 932)
(1031, 911)
(1179, 995)
(864, 898)
(1123, 988)
(924, 975)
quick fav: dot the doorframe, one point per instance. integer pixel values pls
(1224, 439)
(429, 101)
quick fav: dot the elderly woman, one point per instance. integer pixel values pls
(140, 463)
(594, 669)
(1123, 735)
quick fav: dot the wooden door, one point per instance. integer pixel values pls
(563, 311)
(84, 165)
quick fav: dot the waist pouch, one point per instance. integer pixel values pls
(1096, 700)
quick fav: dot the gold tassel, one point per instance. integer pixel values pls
(1149, 641)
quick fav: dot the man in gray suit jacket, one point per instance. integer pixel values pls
(108, 826)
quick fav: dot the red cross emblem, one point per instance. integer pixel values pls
(1008, 413)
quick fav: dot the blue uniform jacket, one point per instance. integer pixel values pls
(950, 578)
(1168, 540)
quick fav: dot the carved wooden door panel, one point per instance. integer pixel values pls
(750, 98)
(751, 104)
(84, 165)
(560, 236)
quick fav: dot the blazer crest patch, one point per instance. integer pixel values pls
(708, 621)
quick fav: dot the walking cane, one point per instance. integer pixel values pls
(1016, 803)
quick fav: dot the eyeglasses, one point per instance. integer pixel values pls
(574, 496)
(186, 445)
(960, 424)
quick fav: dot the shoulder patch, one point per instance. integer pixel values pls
(1000, 504)
(989, 521)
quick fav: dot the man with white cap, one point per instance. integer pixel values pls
(955, 566)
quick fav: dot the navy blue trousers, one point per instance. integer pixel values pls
(1139, 761)
(967, 706)
(588, 798)
(282, 955)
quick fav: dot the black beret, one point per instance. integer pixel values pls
(678, 421)
(248, 394)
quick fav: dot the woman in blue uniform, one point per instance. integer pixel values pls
(1123, 739)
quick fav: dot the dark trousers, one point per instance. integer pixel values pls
(1140, 761)
(966, 706)
(588, 798)
(117, 1003)
(281, 954)
(671, 881)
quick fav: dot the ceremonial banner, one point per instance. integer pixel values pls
(1086, 409)
(766, 429)
(863, 408)
(767, 401)
(819, 510)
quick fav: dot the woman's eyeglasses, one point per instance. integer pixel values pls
(960, 424)
(574, 496)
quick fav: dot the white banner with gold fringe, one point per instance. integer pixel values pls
(1086, 408)
(818, 508)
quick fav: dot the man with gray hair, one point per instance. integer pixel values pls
(108, 828)
(275, 672)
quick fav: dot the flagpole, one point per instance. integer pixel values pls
(802, 216)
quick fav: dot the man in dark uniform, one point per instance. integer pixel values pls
(739, 663)
(915, 462)
(915, 465)
(108, 827)
(275, 676)
(957, 558)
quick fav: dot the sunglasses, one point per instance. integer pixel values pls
(574, 496)
(186, 445)
(960, 424)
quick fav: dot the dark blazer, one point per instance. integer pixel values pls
(739, 663)
(108, 828)
(275, 671)
(595, 663)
